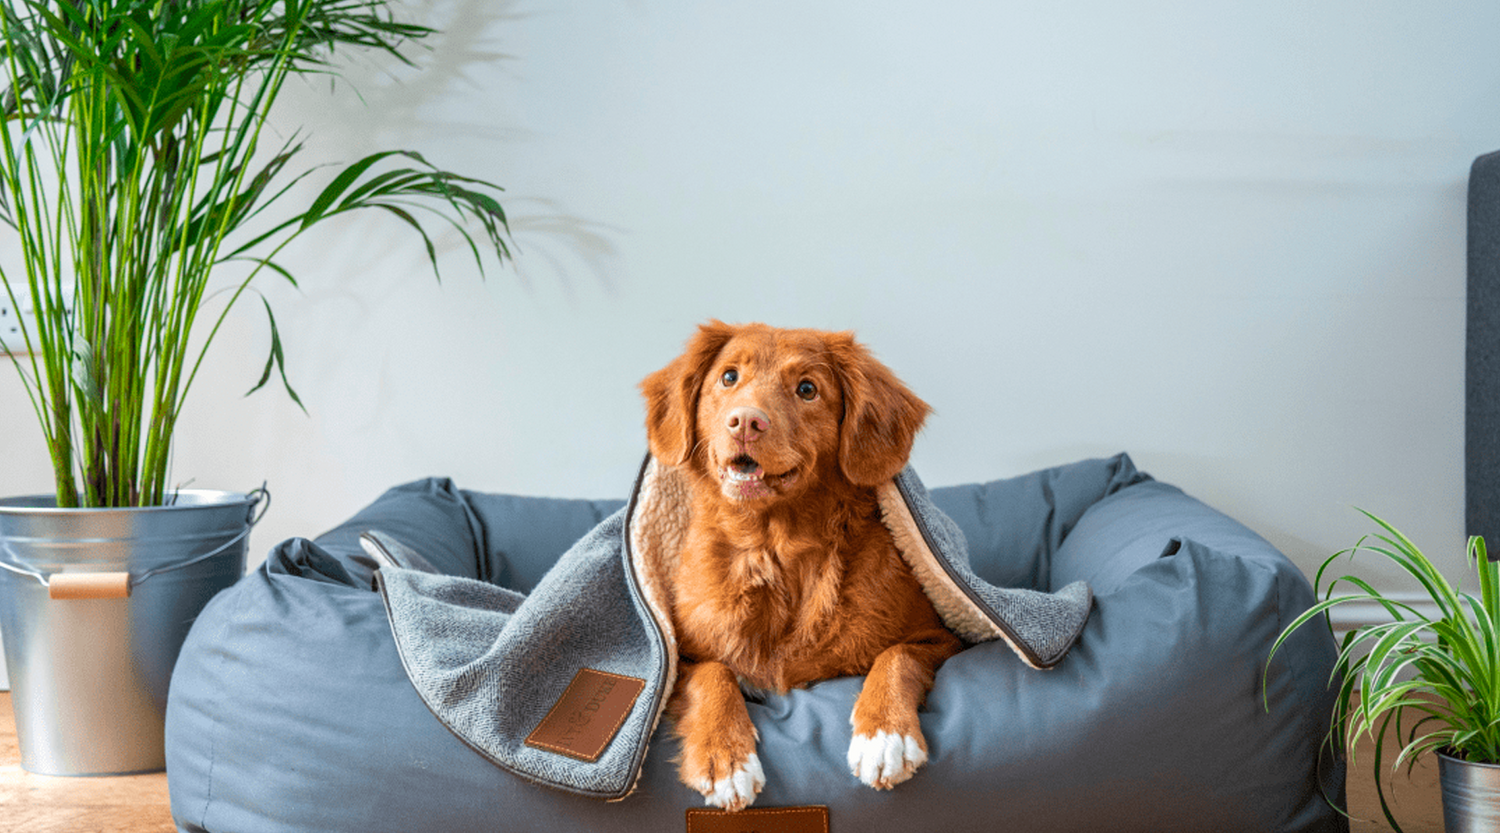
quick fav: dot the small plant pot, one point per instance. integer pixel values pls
(1471, 795)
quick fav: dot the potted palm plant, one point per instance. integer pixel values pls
(1431, 673)
(143, 199)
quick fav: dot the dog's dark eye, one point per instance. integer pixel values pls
(807, 390)
(730, 377)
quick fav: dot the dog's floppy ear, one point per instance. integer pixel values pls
(881, 416)
(672, 394)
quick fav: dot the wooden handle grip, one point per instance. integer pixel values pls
(88, 585)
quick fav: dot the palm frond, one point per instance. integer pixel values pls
(131, 169)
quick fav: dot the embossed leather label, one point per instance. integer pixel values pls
(759, 820)
(588, 714)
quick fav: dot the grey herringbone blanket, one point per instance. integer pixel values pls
(494, 665)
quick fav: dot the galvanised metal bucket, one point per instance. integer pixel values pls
(94, 606)
(1471, 795)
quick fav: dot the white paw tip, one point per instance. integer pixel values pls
(738, 790)
(886, 759)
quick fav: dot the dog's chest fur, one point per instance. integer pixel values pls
(784, 609)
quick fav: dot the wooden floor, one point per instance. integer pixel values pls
(138, 803)
(41, 804)
(1416, 801)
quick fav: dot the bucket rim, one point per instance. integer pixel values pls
(46, 504)
(1449, 756)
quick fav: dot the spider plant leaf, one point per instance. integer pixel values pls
(1396, 608)
(1392, 653)
(1410, 558)
(1308, 615)
(1489, 579)
(1385, 808)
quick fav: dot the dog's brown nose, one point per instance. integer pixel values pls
(748, 424)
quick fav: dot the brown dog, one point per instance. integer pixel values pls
(788, 575)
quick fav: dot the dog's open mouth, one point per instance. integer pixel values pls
(743, 477)
(744, 468)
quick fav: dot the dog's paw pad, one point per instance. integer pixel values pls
(738, 790)
(885, 760)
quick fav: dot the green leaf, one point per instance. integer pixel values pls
(276, 360)
(131, 166)
(340, 184)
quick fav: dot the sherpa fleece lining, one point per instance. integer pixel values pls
(962, 616)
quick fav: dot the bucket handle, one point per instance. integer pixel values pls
(118, 585)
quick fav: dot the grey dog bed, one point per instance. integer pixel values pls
(290, 708)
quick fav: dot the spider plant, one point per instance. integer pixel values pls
(1434, 676)
(138, 178)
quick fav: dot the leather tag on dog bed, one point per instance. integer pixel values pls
(588, 714)
(813, 819)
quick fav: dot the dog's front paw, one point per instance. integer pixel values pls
(737, 789)
(725, 782)
(885, 759)
(718, 739)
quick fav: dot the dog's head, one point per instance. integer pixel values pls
(766, 411)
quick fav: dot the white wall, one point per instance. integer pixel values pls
(1228, 238)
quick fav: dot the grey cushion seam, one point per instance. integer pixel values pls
(213, 743)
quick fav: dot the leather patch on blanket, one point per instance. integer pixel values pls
(759, 820)
(588, 714)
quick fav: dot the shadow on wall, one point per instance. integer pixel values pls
(447, 95)
(393, 103)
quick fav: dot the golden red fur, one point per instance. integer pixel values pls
(788, 576)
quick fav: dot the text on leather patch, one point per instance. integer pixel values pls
(588, 714)
(759, 820)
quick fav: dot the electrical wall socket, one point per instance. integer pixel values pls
(11, 339)
(12, 318)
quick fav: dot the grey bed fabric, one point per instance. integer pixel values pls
(290, 709)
